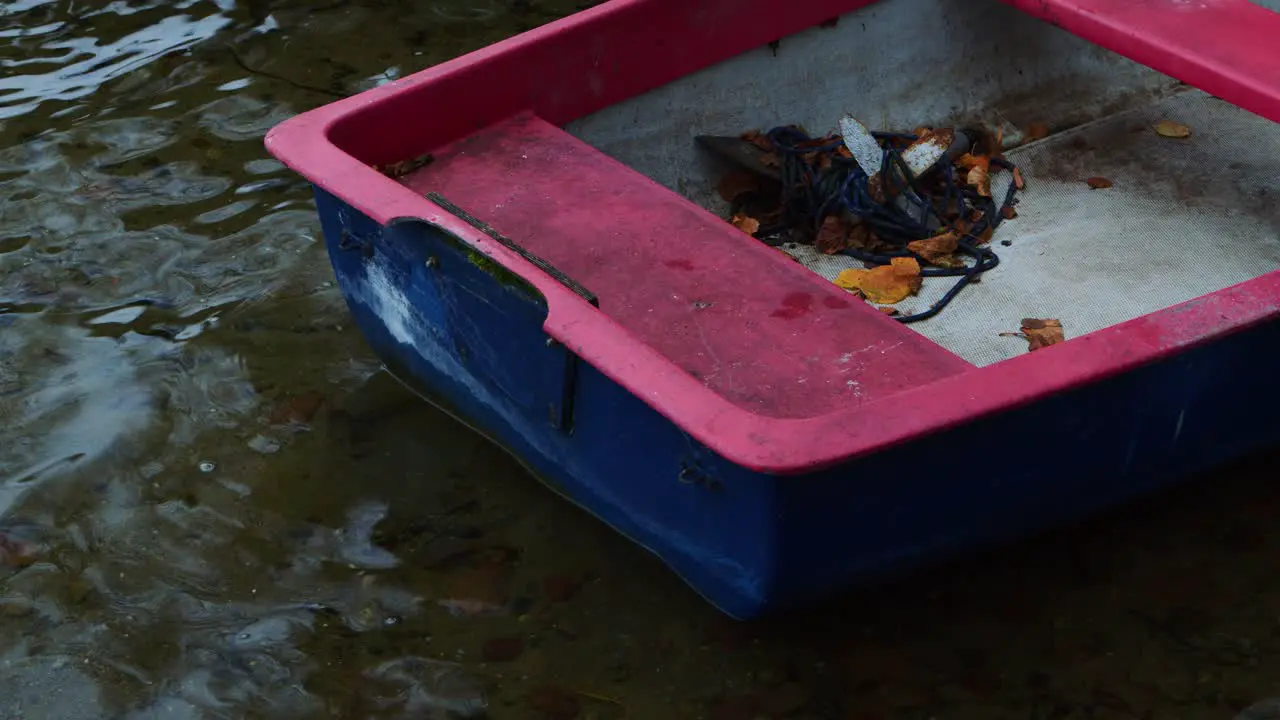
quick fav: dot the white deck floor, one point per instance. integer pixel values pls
(1183, 218)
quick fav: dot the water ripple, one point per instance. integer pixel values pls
(97, 63)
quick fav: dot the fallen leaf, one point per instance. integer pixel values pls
(1098, 183)
(1008, 212)
(935, 248)
(979, 179)
(890, 311)
(886, 284)
(860, 236)
(833, 236)
(1171, 129)
(1035, 131)
(745, 223)
(1018, 182)
(1039, 333)
(737, 183)
(968, 161)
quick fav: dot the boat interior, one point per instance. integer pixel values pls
(624, 199)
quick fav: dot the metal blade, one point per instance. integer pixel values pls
(741, 152)
(864, 148)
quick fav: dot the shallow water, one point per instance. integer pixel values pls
(214, 504)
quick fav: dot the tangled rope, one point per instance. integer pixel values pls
(819, 181)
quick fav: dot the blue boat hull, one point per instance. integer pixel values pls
(469, 337)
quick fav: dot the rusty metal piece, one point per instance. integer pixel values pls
(741, 152)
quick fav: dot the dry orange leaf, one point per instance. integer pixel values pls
(1040, 333)
(935, 248)
(860, 236)
(745, 223)
(1098, 183)
(1018, 182)
(979, 179)
(833, 236)
(886, 284)
(969, 161)
(1171, 129)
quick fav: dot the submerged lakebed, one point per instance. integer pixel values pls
(214, 503)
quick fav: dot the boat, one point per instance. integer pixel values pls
(532, 237)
